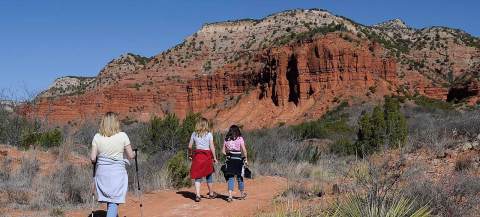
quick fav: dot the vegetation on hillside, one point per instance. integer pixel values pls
(296, 152)
(322, 30)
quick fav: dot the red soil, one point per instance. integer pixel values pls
(260, 191)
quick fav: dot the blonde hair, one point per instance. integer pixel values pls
(109, 125)
(202, 127)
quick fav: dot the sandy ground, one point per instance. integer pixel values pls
(260, 191)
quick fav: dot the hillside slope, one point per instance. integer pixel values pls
(285, 68)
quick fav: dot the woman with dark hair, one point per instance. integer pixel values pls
(236, 155)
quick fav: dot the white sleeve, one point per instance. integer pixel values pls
(126, 140)
(94, 141)
(210, 137)
(191, 138)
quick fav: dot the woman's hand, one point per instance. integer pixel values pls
(246, 162)
(190, 157)
(215, 160)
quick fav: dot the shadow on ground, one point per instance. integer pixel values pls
(98, 213)
(190, 195)
(187, 194)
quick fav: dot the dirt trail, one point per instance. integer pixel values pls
(260, 191)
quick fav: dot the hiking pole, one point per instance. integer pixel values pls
(93, 186)
(139, 192)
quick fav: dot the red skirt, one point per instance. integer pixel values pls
(202, 164)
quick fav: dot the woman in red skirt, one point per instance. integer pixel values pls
(203, 157)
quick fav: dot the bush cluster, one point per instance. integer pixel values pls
(292, 36)
(178, 170)
(11, 127)
(382, 128)
(162, 134)
(432, 104)
(333, 123)
(21, 132)
(48, 139)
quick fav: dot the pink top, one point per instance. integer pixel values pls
(234, 145)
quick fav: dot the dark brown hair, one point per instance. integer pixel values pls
(233, 133)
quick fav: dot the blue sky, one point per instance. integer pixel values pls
(43, 40)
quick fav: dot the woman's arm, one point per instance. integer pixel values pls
(224, 151)
(93, 154)
(129, 151)
(212, 148)
(244, 150)
(190, 146)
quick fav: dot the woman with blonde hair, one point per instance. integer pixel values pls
(108, 148)
(203, 157)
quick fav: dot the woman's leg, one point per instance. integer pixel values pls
(210, 184)
(198, 183)
(241, 185)
(231, 183)
(112, 210)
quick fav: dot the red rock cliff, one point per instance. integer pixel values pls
(305, 76)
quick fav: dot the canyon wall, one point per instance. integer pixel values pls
(287, 77)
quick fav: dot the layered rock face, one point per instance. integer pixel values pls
(299, 76)
(288, 67)
(297, 73)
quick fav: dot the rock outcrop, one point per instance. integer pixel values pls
(318, 68)
(67, 86)
(311, 73)
(285, 68)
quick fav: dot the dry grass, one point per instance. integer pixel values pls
(64, 186)
(276, 152)
(463, 163)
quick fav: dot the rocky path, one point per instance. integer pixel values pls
(261, 191)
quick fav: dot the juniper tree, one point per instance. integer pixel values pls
(168, 133)
(378, 127)
(396, 124)
(364, 134)
(387, 128)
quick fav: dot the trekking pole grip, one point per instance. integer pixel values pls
(136, 168)
(136, 164)
(94, 164)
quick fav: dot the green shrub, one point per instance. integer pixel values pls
(395, 123)
(360, 206)
(322, 30)
(218, 139)
(51, 138)
(395, 46)
(331, 124)
(344, 146)
(29, 139)
(387, 128)
(178, 170)
(48, 139)
(207, 66)
(432, 104)
(188, 126)
(167, 133)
